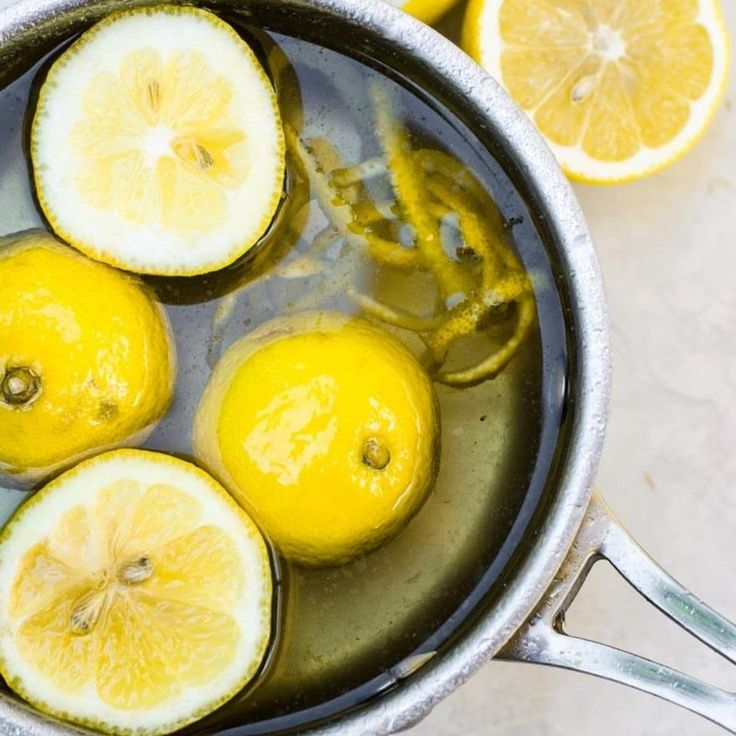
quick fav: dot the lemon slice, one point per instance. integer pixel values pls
(157, 144)
(428, 11)
(135, 595)
(620, 89)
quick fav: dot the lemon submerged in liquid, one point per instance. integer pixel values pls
(157, 143)
(86, 357)
(135, 595)
(326, 429)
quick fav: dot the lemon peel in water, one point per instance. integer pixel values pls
(326, 429)
(87, 359)
(481, 286)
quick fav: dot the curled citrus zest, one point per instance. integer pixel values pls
(496, 362)
(481, 285)
(472, 315)
(368, 169)
(393, 315)
(407, 179)
(340, 213)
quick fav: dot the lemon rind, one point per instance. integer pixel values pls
(428, 11)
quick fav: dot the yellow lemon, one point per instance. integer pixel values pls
(86, 357)
(157, 144)
(428, 11)
(326, 429)
(135, 595)
(619, 88)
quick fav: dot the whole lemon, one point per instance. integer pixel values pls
(326, 429)
(86, 357)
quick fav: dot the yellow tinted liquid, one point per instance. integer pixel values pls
(348, 632)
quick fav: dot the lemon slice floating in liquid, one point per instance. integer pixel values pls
(157, 144)
(135, 595)
(619, 88)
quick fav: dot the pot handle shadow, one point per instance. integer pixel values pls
(542, 639)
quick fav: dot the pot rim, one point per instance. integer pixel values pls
(493, 108)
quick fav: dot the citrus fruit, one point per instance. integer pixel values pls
(326, 429)
(156, 143)
(86, 357)
(428, 11)
(135, 595)
(619, 88)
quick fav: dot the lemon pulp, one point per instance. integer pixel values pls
(135, 595)
(618, 88)
(325, 428)
(86, 357)
(157, 143)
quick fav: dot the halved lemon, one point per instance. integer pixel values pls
(135, 595)
(157, 144)
(428, 11)
(619, 88)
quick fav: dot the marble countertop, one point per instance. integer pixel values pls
(668, 253)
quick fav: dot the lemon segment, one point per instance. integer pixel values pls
(157, 144)
(87, 359)
(619, 89)
(428, 11)
(135, 595)
(326, 429)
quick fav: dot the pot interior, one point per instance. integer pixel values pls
(348, 634)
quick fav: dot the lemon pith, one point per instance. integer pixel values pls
(86, 357)
(135, 595)
(172, 160)
(619, 89)
(325, 428)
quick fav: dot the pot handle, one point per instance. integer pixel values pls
(542, 639)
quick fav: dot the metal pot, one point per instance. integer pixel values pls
(572, 527)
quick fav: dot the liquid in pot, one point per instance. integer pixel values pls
(345, 633)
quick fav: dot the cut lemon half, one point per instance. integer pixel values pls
(135, 595)
(619, 88)
(428, 11)
(157, 144)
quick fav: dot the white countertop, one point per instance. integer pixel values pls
(668, 252)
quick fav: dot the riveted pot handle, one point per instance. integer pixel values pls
(542, 640)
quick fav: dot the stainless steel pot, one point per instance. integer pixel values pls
(572, 528)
